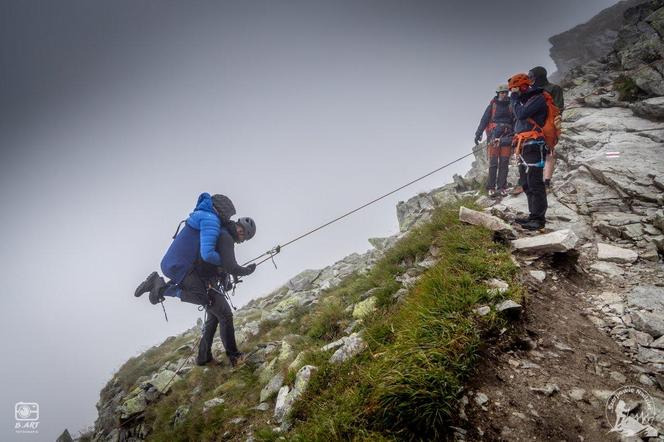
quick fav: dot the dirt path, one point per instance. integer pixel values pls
(551, 379)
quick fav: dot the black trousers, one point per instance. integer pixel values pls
(531, 177)
(193, 289)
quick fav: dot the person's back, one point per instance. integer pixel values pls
(538, 76)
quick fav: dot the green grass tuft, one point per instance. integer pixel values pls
(420, 351)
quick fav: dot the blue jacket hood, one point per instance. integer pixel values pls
(205, 203)
(204, 211)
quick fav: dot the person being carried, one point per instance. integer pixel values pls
(530, 110)
(498, 124)
(538, 76)
(200, 254)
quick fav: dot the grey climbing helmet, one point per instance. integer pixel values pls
(248, 225)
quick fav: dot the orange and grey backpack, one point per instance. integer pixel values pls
(489, 127)
(548, 131)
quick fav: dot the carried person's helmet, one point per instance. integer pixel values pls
(248, 225)
(518, 80)
(502, 88)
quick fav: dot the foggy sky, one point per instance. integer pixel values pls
(114, 116)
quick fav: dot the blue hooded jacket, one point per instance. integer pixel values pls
(530, 104)
(503, 119)
(199, 236)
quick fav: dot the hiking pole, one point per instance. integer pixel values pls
(164, 308)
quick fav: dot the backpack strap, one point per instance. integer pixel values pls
(491, 125)
(178, 229)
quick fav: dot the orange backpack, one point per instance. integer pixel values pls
(549, 130)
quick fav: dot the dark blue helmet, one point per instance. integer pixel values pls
(248, 225)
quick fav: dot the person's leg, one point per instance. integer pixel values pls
(171, 289)
(205, 346)
(549, 167)
(503, 167)
(518, 189)
(522, 186)
(493, 166)
(192, 289)
(537, 204)
(222, 311)
(523, 181)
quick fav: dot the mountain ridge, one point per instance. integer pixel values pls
(615, 105)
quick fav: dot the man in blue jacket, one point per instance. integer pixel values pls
(498, 123)
(530, 110)
(202, 252)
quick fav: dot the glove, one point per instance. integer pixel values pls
(477, 139)
(251, 267)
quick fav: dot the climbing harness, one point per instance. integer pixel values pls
(541, 162)
(220, 289)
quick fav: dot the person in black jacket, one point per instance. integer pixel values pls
(219, 312)
(498, 123)
(530, 110)
(538, 76)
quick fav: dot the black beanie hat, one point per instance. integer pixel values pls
(539, 74)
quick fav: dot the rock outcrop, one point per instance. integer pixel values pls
(591, 40)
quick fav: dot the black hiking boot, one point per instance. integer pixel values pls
(155, 292)
(238, 360)
(533, 225)
(146, 285)
(522, 221)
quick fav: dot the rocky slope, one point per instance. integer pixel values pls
(591, 40)
(607, 198)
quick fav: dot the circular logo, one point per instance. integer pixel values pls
(23, 411)
(630, 410)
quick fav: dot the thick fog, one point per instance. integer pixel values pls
(114, 116)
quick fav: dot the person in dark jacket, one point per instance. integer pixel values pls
(530, 110)
(498, 123)
(202, 252)
(538, 76)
